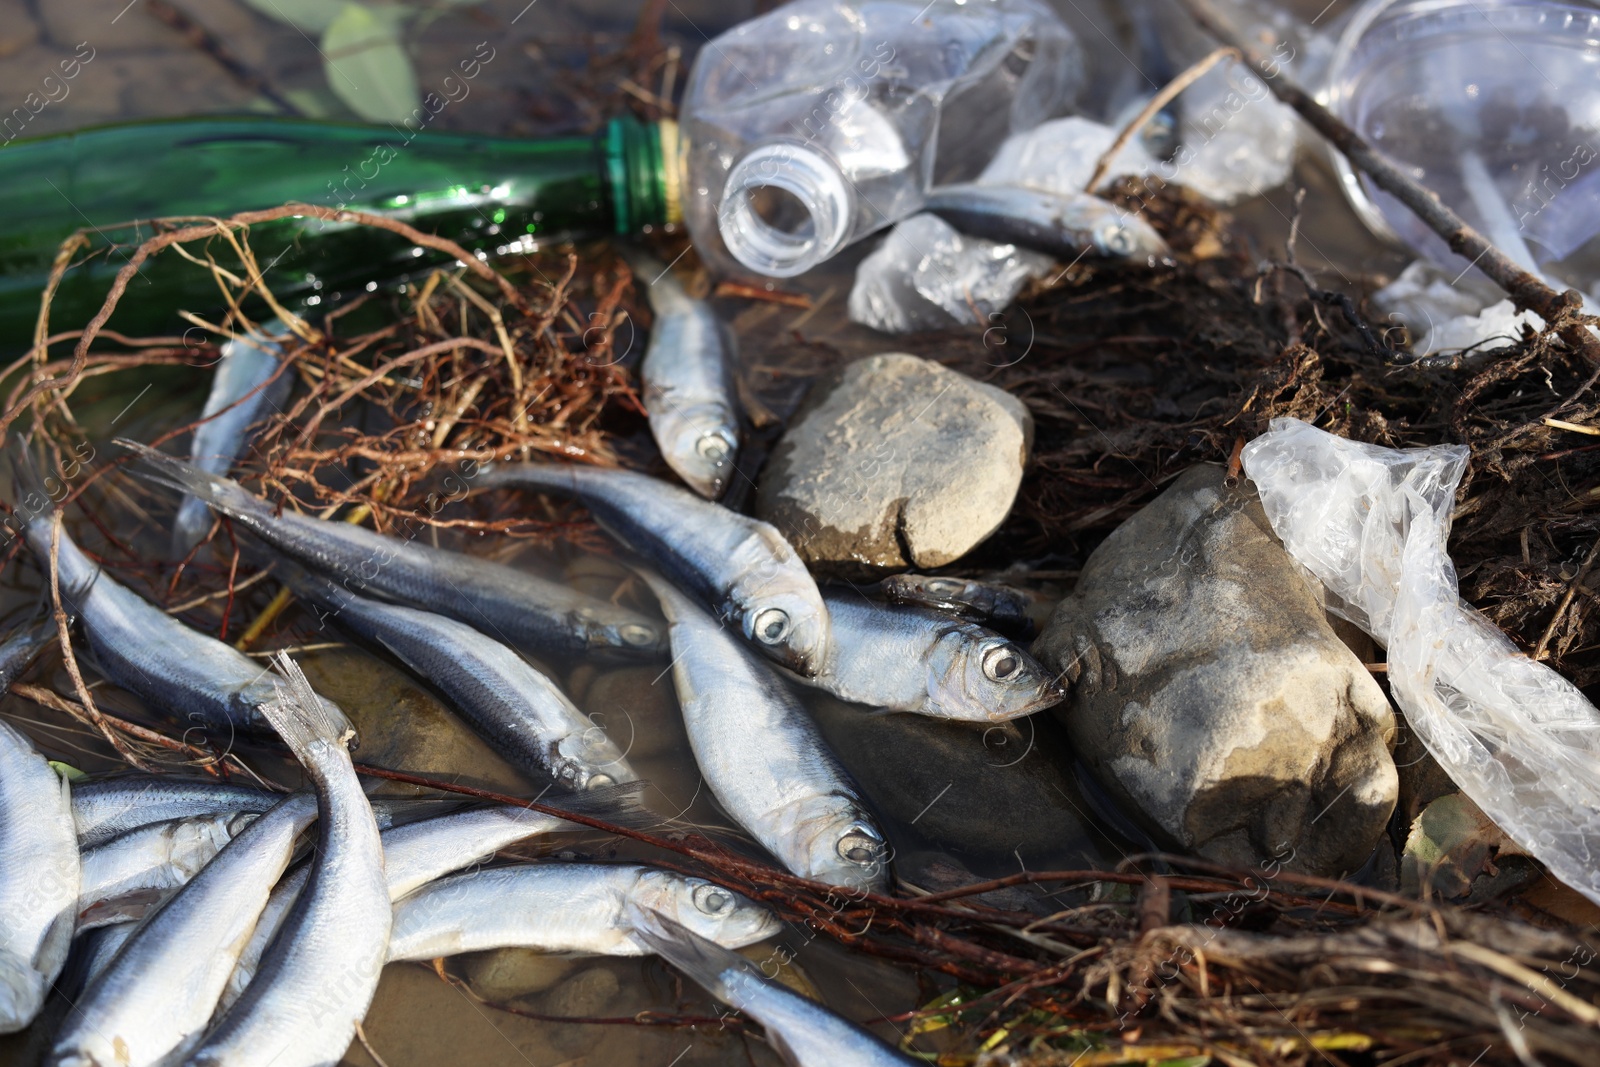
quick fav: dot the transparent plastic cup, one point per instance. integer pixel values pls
(823, 121)
(1495, 106)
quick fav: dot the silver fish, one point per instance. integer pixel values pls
(763, 757)
(1063, 226)
(420, 852)
(38, 878)
(801, 1031)
(141, 648)
(914, 659)
(740, 568)
(999, 607)
(152, 1001)
(92, 954)
(318, 977)
(243, 391)
(514, 606)
(566, 907)
(521, 713)
(128, 874)
(687, 373)
(104, 808)
(20, 648)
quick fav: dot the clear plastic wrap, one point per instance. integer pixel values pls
(926, 276)
(1371, 524)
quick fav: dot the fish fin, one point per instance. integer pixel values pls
(696, 956)
(301, 717)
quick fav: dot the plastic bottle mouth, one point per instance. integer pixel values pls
(785, 209)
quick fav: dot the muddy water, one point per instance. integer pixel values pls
(957, 803)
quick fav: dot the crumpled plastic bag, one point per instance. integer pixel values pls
(1441, 314)
(927, 276)
(1372, 524)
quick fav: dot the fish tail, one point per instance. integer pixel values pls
(698, 957)
(622, 804)
(221, 493)
(304, 720)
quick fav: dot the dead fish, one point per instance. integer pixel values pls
(687, 373)
(999, 607)
(128, 874)
(1066, 227)
(740, 568)
(521, 713)
(104, 808)
(511, 604)
(318, 977)
(178, 671)
(39, 878)
(243, 391)
(764, 758)
(421, 852)
(151, 1002)
(801, 1031)
(566, 907)
(922, 661)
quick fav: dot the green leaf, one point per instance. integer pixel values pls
(1450, 846)
(307, 16)
(67, 770)
(366, 65)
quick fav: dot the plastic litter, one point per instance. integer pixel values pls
(1495, 107)
(1439, 317)
(826, 120)
(1372, 524)
(927, 276)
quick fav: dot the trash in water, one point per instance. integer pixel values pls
(822, 122)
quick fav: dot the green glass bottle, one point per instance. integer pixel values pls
(491, 195)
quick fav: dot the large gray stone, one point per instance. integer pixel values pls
(1211, 695)
(894, 462)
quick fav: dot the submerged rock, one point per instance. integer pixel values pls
(991, 797)
(893, 462)
(1212, 696)
(402, 726)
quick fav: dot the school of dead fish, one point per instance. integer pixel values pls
(172, 910)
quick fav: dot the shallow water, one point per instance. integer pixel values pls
(958, 803)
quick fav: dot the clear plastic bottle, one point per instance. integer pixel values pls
(826, 120)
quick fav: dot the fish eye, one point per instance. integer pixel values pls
(1001, 662)
(636, 633)
(713, 447)
(712, 899)
(1117, 240)
(772, 626)
(859, 846)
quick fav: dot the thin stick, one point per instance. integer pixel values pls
(1561, 311)
(1150, 110)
